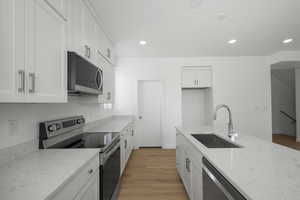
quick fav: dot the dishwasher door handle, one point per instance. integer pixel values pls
(217, 182)
(221, 182)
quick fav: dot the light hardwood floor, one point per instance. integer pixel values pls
(286, 140)
(151, 175)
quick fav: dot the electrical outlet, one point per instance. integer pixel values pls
(13, 127)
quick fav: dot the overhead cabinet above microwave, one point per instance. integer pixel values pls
(86, 37)
(32, 51)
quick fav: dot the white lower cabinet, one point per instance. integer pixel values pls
(196, 182)
(126, 145)
(84, 185)
(91, 190)
(189, 166)
(187, 173)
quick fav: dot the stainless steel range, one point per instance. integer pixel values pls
(68, 133)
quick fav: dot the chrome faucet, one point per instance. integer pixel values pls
(231, 132)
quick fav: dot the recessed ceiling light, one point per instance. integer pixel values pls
(232, 41)
(143, 42)
(288, 40)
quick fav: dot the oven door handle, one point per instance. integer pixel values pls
(106, 155)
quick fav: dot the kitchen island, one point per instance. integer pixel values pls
(259, 170)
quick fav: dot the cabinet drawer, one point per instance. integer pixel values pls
(73, 187)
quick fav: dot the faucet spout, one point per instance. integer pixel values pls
(231, 132)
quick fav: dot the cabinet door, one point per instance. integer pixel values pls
(46, 54)
(189, 78)
(91, 190)
(89, 35)
(204, 78)
(179, 155)
(187, 173)
(59, 6)
(109, 82)
(100, 40)
(196, 185)
(12, 50)
(123, 152)
(75, 27)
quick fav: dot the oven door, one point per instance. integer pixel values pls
(83, 76)
(110, 172)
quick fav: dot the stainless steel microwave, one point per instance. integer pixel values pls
(83, 76)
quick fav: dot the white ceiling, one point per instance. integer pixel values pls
(200, 27)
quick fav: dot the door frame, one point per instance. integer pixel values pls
(162, 107)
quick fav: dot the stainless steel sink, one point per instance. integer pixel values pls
(214, 141)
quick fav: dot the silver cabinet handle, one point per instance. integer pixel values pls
(125, 144)
(22, 81)
(87, 51)
(32, 77)
(90, 171)
(188, 164)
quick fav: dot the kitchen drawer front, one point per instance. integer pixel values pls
(74, 186)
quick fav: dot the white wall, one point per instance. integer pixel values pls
(283, 98)
(28, 116)
(196, 108)
(241, 82)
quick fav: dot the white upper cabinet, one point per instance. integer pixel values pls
(89, 35)
(85, 35)
(32, 52)
(76, 12)
(59, 6)
(109, 83)
(196, 77)
(12, 50)
(46, 54)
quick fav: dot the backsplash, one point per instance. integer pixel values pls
(19, 122)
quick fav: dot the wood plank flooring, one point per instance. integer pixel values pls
(151, 175)
(286, 140)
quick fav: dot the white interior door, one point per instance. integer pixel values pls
(149, 123)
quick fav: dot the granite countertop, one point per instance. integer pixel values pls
(260, 170)
(113, 124)
(41, 174)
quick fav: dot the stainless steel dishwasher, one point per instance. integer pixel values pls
(215, 186)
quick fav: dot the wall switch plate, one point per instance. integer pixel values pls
(13, 127)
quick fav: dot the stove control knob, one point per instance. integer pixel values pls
(52, 128)
(79, 121)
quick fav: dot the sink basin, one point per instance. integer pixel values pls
(213, 141)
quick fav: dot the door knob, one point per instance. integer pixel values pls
(140, 117)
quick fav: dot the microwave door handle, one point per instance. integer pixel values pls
(96, 79)
(101, 78)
